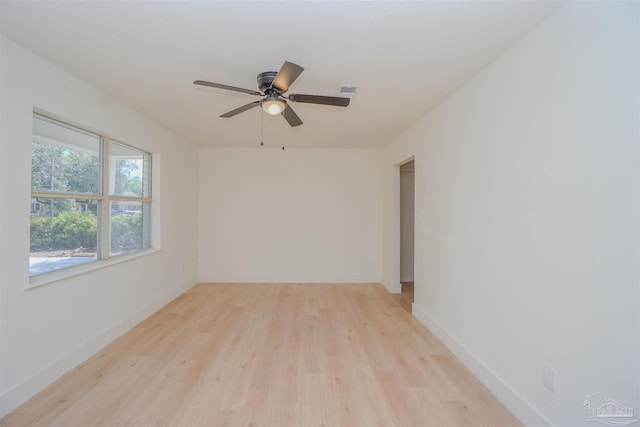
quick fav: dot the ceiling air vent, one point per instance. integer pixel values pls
(348, 90)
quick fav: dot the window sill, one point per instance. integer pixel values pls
(56, 276)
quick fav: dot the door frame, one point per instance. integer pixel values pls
(396, 286)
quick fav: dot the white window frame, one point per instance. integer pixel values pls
(104, 200)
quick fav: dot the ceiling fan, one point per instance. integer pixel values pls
(273, 86)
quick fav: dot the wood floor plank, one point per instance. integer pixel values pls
(270, 355)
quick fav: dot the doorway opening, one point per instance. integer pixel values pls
(407, 233)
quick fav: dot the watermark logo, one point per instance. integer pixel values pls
(608, 411)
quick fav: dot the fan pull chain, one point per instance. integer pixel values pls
(261, 129)
(283, 135)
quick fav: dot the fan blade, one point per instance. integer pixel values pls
(241, 109)
(288, 73)
(291, 117)
(219, 86)
(317, 99)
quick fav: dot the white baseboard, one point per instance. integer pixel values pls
(393, 287)
(22, 392)
(528, 415)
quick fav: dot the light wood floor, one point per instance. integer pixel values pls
(270, 355)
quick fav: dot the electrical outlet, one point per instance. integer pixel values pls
(549, 377)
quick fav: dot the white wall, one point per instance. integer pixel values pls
(45, 331)
(1, 198)
(299, 215)
(527, 216)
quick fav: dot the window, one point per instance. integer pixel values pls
(90, 197)
(129, 197)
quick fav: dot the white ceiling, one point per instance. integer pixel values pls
(406, 57)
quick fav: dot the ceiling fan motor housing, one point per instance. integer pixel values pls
(265, 79)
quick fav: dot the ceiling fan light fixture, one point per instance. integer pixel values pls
(273, 105)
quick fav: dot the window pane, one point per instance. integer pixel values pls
(129, 226)
(64, 233)
(64, 158)
(128, 171)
